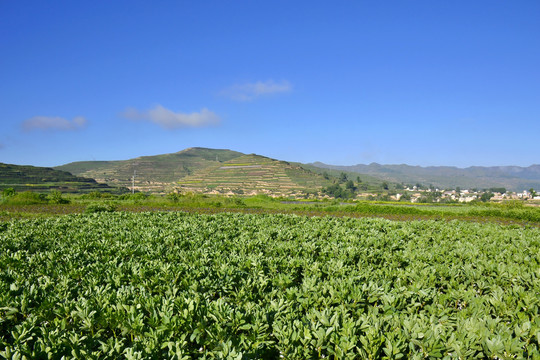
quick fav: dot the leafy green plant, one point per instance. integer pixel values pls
(237, 286)
(8, 192)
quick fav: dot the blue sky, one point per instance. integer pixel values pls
(343, 82)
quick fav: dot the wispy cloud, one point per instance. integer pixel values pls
(251, 91)
(168, 119)
(53, 123)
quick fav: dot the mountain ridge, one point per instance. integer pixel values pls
(512, 177)
(227, 171)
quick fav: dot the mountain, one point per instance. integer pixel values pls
(225, 171)
(513, 178)
(151, 172)
(34, 178)
(204, 170)
(254, 174)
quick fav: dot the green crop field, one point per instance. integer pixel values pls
(173, 285)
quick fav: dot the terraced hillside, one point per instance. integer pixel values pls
(42, 179)
(152, 173)
(253, 174)
(204, 170)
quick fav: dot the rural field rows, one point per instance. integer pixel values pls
(244, 286)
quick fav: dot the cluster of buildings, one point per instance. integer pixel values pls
(525, 195)
(440, 195)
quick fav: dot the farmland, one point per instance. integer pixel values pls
(31, 205)
(251, 286)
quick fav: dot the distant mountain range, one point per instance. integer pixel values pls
(513, 178)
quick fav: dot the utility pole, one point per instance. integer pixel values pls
(133, 182)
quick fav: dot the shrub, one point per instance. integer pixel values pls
(174, 197)
(96, 195)
(513, 204)
(135, 197)
(55, 197)
(27, 198)
(8, 192)
(235, 201)
(99, 207)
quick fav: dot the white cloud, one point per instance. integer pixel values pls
(251, 91)
(170, 120)
(53, 123)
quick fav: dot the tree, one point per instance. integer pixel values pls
(430, 197)
(358, 180)
(342, 177)
(333, 190)
(349, 185)
(174, 196)
(486, 196)
(337, 191)
(405, 197)
(325, 175)
(385, 185)
(533, 193)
